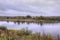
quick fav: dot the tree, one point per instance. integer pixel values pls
(7, 17)
(28, 16)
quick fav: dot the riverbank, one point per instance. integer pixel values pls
(23, 34)
(30, 20)
(40, 19)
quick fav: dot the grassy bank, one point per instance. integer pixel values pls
(23, 34)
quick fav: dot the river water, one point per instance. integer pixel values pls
(48, 28)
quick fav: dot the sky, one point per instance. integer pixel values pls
(30, 7)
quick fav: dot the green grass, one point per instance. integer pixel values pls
(23, 34)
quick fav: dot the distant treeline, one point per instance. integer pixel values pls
(30, 17)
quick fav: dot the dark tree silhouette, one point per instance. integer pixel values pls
(28, 16)
(7, 17)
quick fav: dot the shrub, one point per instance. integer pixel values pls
(3, 28)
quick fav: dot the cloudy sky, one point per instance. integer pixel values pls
(29, 7)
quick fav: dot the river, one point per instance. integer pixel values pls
(47, 28)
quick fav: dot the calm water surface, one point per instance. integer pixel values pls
(48, 28)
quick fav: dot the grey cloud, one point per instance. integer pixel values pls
(22, 8)
(43, 8)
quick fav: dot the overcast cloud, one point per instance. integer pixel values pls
(29, 7)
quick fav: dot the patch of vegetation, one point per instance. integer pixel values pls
(23, 34)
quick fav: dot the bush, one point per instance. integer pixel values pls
(24, 32)
(3, 28)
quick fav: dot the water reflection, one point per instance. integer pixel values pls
(40, 23)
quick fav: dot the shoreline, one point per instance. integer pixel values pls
(40, 19)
